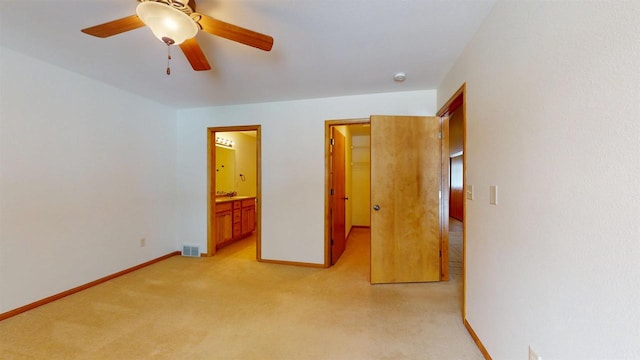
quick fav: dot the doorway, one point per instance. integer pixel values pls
(415, 141)
(347, 179)
(234, 186)
(455, 110)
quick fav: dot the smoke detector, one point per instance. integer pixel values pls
(399, 77)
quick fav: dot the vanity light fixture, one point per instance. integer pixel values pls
(224, 142)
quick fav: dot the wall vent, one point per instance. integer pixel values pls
(190, 250)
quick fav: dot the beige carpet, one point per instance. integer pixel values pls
(232, 307)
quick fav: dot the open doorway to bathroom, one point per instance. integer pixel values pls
(234, 183)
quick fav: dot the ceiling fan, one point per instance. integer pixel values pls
(176, 22)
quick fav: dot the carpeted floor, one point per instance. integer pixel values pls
(455, 248)
(232, 307)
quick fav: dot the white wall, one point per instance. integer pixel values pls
(348, 185)
(245, 146)
(361, 170)
(292, 165)
(86, 171)
(553, 91)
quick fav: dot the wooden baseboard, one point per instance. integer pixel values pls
(294, 263)
(55, 297)
(355, 227)
(475, 338)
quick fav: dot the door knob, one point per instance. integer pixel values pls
(376, 207)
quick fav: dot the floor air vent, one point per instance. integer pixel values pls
(190, 250)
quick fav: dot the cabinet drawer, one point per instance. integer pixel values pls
(220, 207)
(236, 205)
(236, 216)
(237, 230)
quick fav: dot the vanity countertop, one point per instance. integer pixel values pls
(233, 198)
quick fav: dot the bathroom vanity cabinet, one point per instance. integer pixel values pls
(235, 219)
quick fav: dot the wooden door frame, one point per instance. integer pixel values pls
(458, 102)
(444, 198)
(211, 185)
(328, 124)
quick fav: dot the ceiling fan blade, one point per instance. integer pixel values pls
(236, 33)
(114, 27)
(194, 54)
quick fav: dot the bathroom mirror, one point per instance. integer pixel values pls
(225, 170)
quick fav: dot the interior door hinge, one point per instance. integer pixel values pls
(331, 242)
(440, 253)
(440, 135)
(331, 192)
(332, 141)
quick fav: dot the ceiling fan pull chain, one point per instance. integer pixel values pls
(168, 59)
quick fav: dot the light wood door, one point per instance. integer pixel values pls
(338, 197)
(405, 185)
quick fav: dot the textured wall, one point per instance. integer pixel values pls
(553, 102)
(292, 165)
(86, 171)
(361, 169)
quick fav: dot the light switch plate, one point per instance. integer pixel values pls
(469, 189)
(493, 196)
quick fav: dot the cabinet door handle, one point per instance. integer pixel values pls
(376, 207)
(345, 198)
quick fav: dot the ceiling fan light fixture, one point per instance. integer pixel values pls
(168, 24)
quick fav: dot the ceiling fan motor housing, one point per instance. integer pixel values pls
(167, 22)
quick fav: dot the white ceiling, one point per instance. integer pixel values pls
(322, 48)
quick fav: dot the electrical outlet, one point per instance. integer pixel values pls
(143, 242)
(533, 355)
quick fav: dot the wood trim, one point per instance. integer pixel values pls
(211, 185)
(328, 124)
(475, 338)
(454, 102)
(294, 263)
(356, 227)
(258, 204)
(444, 199)
(258, 230)
(77, 289)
